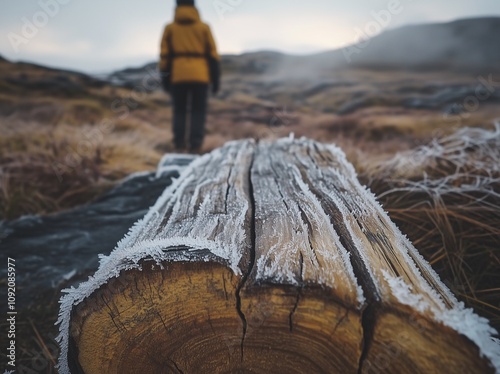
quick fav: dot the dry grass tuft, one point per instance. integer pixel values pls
(48, 166)
(446, 198)
(46, 173)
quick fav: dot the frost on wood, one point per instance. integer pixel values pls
(313, 225)
(295, 241)
(191, 226)
(398, 273)
(459, 318)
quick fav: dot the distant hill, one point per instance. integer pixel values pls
(464, 45)
(24, 77)
(469, 46)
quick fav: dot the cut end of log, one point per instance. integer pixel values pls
(266, 258)
(135, 324)
(407, 342)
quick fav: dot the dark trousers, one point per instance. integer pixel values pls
(190, 102)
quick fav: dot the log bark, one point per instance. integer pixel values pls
(269, 257)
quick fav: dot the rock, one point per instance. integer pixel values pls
(52, 249)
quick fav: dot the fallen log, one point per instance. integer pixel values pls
(263, 258)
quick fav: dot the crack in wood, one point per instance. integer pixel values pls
(163, 322)
(251, 265)
(292, 312)
(120, 327)
(297, 299)
(305, 220)
(224, 285)
(339, 322)
(176, 366)
(228, 188)
(339, 225)
(301, 268)
(138, 290)
(368, 324)
(278, 187)
(357, 263)
(209, 319)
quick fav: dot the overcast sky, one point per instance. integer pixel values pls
(102, 35)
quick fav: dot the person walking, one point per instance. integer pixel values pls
(189, 63)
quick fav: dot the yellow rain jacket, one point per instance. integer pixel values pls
(186, 48)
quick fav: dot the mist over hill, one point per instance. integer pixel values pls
(463, 45)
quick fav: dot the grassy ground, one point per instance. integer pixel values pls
(74, 145)
(63, 147)
(446, 197)
(79, 139)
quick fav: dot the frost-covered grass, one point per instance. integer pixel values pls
(446, 197)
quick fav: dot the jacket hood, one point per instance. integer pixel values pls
(186, 14)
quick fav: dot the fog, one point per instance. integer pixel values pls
(96, 36)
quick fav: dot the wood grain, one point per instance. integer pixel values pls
(303, 271)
